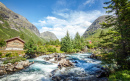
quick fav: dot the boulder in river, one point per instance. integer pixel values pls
(64, 63)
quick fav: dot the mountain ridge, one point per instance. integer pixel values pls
(15, 20)
(94, 26)
(48, 36)
(15, 25)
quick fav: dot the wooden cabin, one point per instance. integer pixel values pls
(14, 44)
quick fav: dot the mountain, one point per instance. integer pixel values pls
(13, 25)
(48, 36)
(94, 26)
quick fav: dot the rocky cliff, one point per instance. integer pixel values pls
(94, 26)
(48, 36)
(16, 21)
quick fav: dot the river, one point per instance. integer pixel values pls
(41, 69)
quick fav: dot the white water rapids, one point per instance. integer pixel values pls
(41, 69)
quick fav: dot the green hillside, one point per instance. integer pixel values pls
(6, 32)
(95, 37)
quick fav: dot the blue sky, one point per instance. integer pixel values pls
(58, 16)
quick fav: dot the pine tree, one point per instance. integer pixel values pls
(66, 43)
(120, 25)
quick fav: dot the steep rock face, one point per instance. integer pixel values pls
(48, 36)
(16, 21)
(94, 26)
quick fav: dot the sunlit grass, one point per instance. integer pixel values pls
(120, 76)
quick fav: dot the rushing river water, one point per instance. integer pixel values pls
(41, 69)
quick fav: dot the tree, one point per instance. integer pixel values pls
(2, 43)
(120, 29)
(101, 34)
(66, 43)
(78, 42)
(30, 47)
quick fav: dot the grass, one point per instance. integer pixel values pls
(123, 75)
(95, 36)
(57, 49)
(17, 59)
(11, 53)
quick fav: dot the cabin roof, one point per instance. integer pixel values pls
(14, 39)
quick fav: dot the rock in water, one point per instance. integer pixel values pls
(65, 63)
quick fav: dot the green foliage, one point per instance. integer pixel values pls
(123, 75)
(51, 49)
(101, 34)
(52, 42)
(118, 38)
(77, 50)
(22, 36)
(2, 43)
(78, 42)
(42, 49)
(66, 44)
(90, 46)
(17, 59)
(6, 24)
(30, 47)
(72, 45)
(16, 54)
(39, 43)
(0, 54)
(8, 55)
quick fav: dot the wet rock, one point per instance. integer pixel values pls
(19, 66)
(64, 63)
(25, 63)
(60, 77)
(10, 68)
(30, 56)
(47, 58)
(2, 71)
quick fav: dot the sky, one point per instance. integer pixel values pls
(59, 16)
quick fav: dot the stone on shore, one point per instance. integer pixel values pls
(10, 68)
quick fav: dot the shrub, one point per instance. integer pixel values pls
(0, 54)
(90, 46)
(41, 49)
(16, 54)
(51, 49)
(73, 50)
(123, 75)
(77, 50)
(3, 56)
(8, 55)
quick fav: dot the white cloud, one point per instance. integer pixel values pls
(51, 18)
(73, 21)
(88, 2)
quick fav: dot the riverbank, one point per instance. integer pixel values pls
(11, 68)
